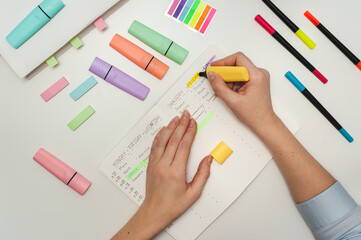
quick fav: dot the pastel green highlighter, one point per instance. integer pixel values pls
(158, 42)
(34, 21)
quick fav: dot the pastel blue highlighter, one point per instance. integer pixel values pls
(34, 21)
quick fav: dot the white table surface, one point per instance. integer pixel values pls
(36, 205)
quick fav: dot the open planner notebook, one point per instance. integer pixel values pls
(126, 164)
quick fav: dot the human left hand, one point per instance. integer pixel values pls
(168, 195)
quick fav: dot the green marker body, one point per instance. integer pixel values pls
(158, 42)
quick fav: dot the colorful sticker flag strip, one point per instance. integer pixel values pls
(83, 88)
(196, 14)
(54, 89)
(81, 118)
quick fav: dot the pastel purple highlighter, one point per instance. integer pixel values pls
(119, 78)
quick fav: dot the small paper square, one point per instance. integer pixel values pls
(100, 24)
(52, 62)
(76, 42)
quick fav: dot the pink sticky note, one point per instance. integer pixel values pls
(54, 89)
(208, 20)
(100, 24)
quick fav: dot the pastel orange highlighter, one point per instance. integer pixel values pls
(139, 56)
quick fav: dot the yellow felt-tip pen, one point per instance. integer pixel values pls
(228, 73)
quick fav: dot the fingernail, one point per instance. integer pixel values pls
(185, 114)
(175, 121)
(192, 123)
(209, 160)
(211, 76)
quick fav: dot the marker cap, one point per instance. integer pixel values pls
(139, 56)
(346, 135)
(305, 39)
(177, 53)
(359, 65)
(119, 79)
(33, 22)
(265, 24)
(100, 68)
(311, 18)
(158, 42)
(62, 171)
(79, 183)
(51, 7)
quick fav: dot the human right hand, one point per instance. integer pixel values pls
(249, 101)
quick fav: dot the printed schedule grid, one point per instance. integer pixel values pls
(126, 165)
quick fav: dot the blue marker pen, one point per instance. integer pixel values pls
(34, 21)
(318, 105)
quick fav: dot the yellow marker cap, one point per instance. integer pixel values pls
(221, 152)
(305, 39)
(230, 73)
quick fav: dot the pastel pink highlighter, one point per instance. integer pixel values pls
(62, 171)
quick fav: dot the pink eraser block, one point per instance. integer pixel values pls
(100, 24)
(54, 89)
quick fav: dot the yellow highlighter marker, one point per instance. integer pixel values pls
(228, 73)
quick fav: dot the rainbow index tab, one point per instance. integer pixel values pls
(197, 15)
(192, 11)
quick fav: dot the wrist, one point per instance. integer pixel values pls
(269, 122)
(141, 226)
(152, 218)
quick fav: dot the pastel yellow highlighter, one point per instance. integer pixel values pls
(228, 73)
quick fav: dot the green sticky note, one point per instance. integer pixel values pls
(204, 122)
(197, 14)
(192, 11)
(81, 118)
(76, 42)
(51, 61)
(137, 168)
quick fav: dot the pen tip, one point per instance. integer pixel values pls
(202, 74)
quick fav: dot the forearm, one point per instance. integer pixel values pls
(305, 177)
(140, 227)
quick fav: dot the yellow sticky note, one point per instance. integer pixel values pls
(76, 42)
(51, 61)
(221, 152)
